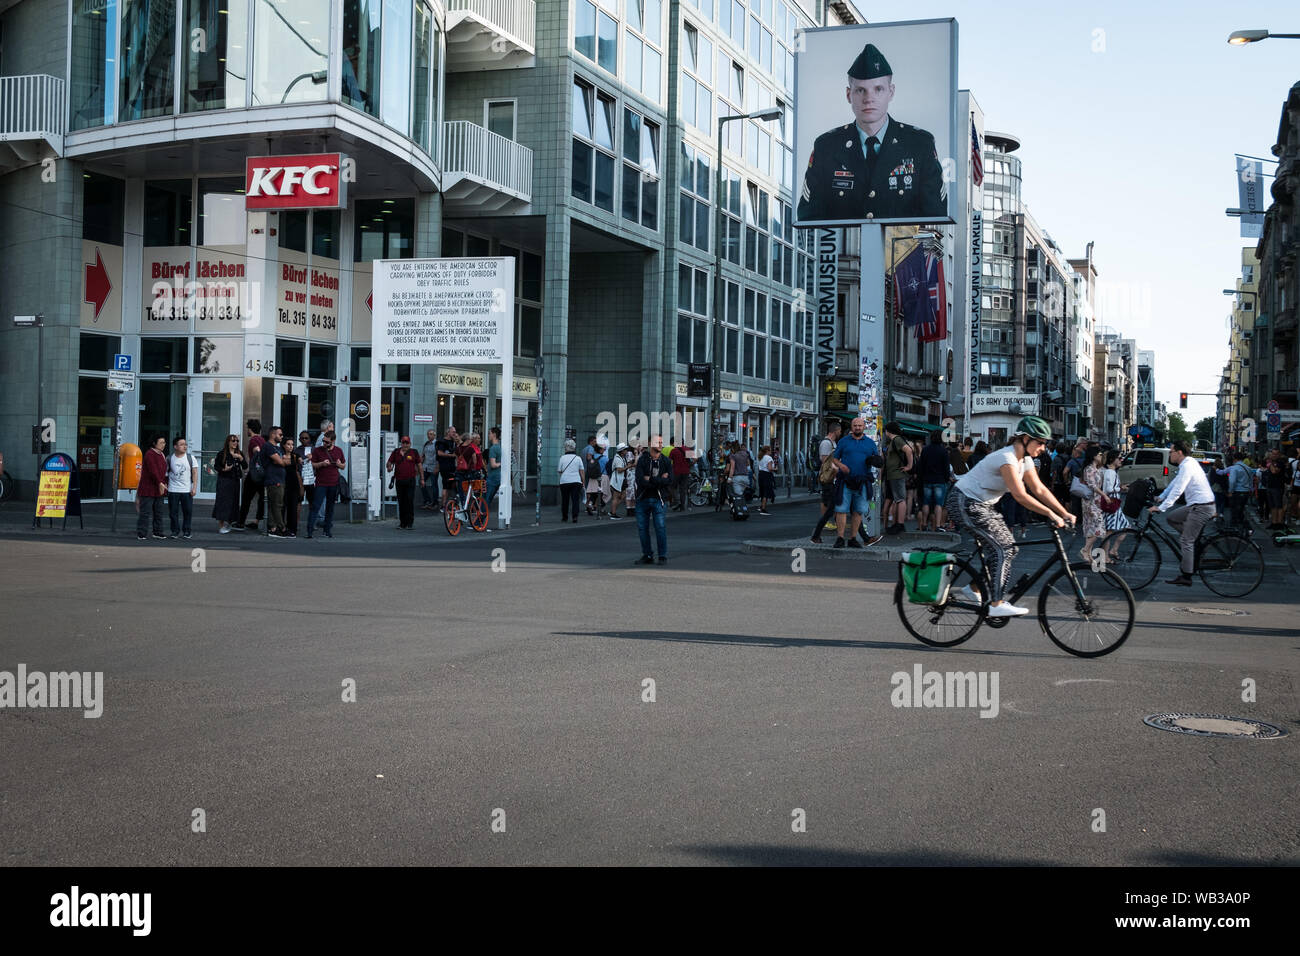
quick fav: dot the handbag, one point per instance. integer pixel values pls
(1079, 489)
(1109, 506)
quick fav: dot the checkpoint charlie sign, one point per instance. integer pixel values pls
(443, 312)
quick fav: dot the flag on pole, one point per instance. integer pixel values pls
(936, 328)
(911, 293)
(976, 155)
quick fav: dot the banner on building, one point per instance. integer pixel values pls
(828, 280)
(876, 123)
(1250, 196)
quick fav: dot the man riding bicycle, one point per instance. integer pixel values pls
(973, 502)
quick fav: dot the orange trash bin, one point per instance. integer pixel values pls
(131, 460)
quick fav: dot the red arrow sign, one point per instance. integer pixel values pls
(370, 301)
(97, 285)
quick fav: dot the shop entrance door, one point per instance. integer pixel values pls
(290, 407)
(213, 415)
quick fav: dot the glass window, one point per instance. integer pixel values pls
(167, 213)
(424, 77)
(103, 199)
(214, 48)
(631, 207)
(653, 80)
(289, 357)
(654, 21)
(632, 61)
(325, 231)
(581, 180)
(604, 197)
(97, 352)
(222, 220)
(92, 91)
(147, 58)
(362, 40)
(293, 230)
(162, 355)
(396, 62)
(531, 286)
(290, 52)
(385, 229)
(607, 43)
(584, 34)
(221, 355)
(501, 118)
(604, 132)
(582, 101)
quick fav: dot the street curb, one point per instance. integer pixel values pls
(882, 551)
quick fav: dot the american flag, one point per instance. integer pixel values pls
(976, 155)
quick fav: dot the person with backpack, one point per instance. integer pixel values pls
(256, 475)
(182, 486)
(824, 458)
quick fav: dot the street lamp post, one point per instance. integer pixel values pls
(715, 410)
(1242, 37)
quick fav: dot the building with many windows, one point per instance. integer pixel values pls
(576, 138)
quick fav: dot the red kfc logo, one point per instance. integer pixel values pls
(294, 182)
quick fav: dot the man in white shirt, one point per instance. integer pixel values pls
(1192, 517)
(182, 486)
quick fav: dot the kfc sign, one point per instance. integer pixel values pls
(294, 182)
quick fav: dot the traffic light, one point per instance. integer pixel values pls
(1182, 399)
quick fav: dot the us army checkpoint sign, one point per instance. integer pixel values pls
(441, 312)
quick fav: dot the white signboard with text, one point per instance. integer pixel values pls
(443, 312)
(983, 403)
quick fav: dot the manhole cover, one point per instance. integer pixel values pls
(1213, 725)
(1213, 611)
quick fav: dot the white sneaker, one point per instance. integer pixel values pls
(225, 530)
(968, 594)
(1007, 609)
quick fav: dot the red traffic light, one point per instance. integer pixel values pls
(1182, 399)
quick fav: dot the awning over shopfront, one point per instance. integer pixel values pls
(919, 429)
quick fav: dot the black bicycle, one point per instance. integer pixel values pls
(1085, 611)
(1226, 559)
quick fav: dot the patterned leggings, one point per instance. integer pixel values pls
(988, 526)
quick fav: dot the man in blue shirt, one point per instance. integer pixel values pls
(494, 467)
(855, 455)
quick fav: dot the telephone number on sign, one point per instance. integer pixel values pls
(214, 313)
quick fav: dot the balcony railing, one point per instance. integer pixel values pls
(491, 34)
(482, 171)
(32, 116)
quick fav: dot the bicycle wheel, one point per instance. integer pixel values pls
(1091, 625)
(1138, 562)
(5, 486)
(949, 623)
(451, 517)
(478, 513)
(697, 495)
(1231, 565)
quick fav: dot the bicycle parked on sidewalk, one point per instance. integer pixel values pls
(1226, 559)
(467, 506)
(1084, 612)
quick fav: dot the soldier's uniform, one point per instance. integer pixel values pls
(903, 181)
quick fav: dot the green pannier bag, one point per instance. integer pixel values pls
(926, 576)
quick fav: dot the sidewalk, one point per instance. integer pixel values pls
(16, 520)
(889, 548)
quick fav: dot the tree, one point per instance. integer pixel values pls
(1178, 429)
(1204, 430)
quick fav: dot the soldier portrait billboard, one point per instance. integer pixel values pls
(875, 110)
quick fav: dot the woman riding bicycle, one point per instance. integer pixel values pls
(973, 502)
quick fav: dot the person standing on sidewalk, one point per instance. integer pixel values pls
(327, 460)
(493, 456)
(229, 464)
(153, 486)
(182, 486)
(619, 479)
(855, 456)
(404, 462)
(445, 450)
(826, 451)
(766, 479)
(572, 471)
(293, 487)
(253, 489)
(1192, 517)
(275, 462)
(429, 465)
(681, 475)
(306, 473)
(933, 473)
(898, 464)
(654, 479)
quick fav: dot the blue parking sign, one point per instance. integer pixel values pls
(121, 363)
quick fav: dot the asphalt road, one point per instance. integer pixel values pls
(516, 697)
